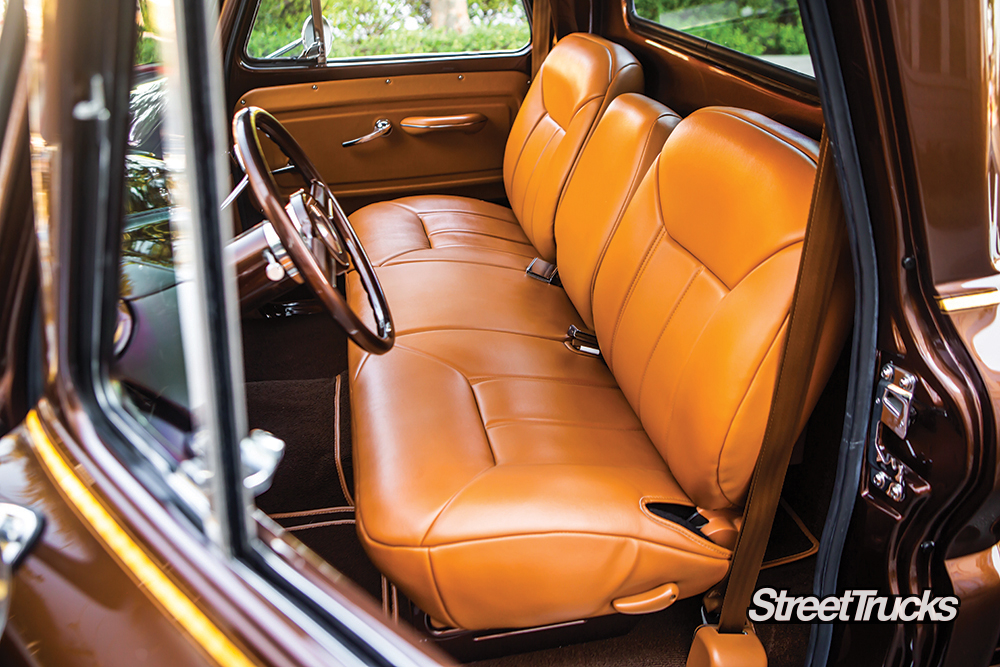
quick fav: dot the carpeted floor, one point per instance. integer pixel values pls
(331, 533)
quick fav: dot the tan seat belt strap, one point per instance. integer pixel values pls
(542, 20)
(820, 254)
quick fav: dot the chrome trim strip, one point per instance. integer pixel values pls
(471, 123)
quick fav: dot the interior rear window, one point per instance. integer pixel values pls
(768, 29)
(364, 28)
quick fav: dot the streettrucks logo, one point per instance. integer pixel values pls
(857, 606)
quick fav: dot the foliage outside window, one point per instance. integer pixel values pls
(394, 27)
(147, 50)
(768, 29)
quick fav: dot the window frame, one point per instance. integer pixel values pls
(732, 60)
(263, 64)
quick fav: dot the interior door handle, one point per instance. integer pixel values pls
(382, 128)
(468, 123)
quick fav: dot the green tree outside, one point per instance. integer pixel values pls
(390, 27)
(754, 27)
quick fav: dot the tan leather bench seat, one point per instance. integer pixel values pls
(503, 480)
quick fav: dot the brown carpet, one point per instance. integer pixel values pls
(332, 535)
(302, 413)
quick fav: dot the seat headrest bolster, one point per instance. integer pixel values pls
(580, 70)
(766, 172)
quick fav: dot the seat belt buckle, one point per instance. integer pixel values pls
(544, 271)
(582, 342)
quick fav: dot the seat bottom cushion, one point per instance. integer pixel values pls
(441, 228)
(502, 481)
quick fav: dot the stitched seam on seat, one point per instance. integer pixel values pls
(472, 214)
(724, 554)
(722, 448)
(607, 99)
(766, 259)
(520, 153)
(464, 261)
(361, 364)
(670, 316)
(579, 151)
(563, 422)
(437, 590)
(480, 379)
(531, 181)
(486, 434)
(368, 536)
(653, 245)
(663, 224)
(583, 103)
(610, 76)
(402, 206)
(477, 233)
(413, 212)
(611, 56)
(560, 337)
(423, 225)
(636, 179)
(475, 399)
(452, 499)
(385, 262)
(469, 262)
(767, 130)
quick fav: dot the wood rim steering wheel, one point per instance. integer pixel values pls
(312, 224)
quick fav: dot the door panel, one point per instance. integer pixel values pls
(460, 160)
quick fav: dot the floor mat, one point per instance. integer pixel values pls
(303, 347)
(790, 539)
(331, 533)
(303, 413)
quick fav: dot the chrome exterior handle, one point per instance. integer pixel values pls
(19, 530)
(382, 128)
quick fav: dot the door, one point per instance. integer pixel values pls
(914, 120)
(430, 88)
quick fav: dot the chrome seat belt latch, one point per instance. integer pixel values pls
(544, 271)
(582, 342)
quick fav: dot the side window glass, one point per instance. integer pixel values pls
(768, 29)
(149, 367)
(362, 28)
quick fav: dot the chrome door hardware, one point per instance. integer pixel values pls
(382, 128)
(20, 528)
(896, 394)
(893, 399)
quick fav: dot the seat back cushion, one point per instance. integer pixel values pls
(625, 143)
(577, 82)
(692, 298)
